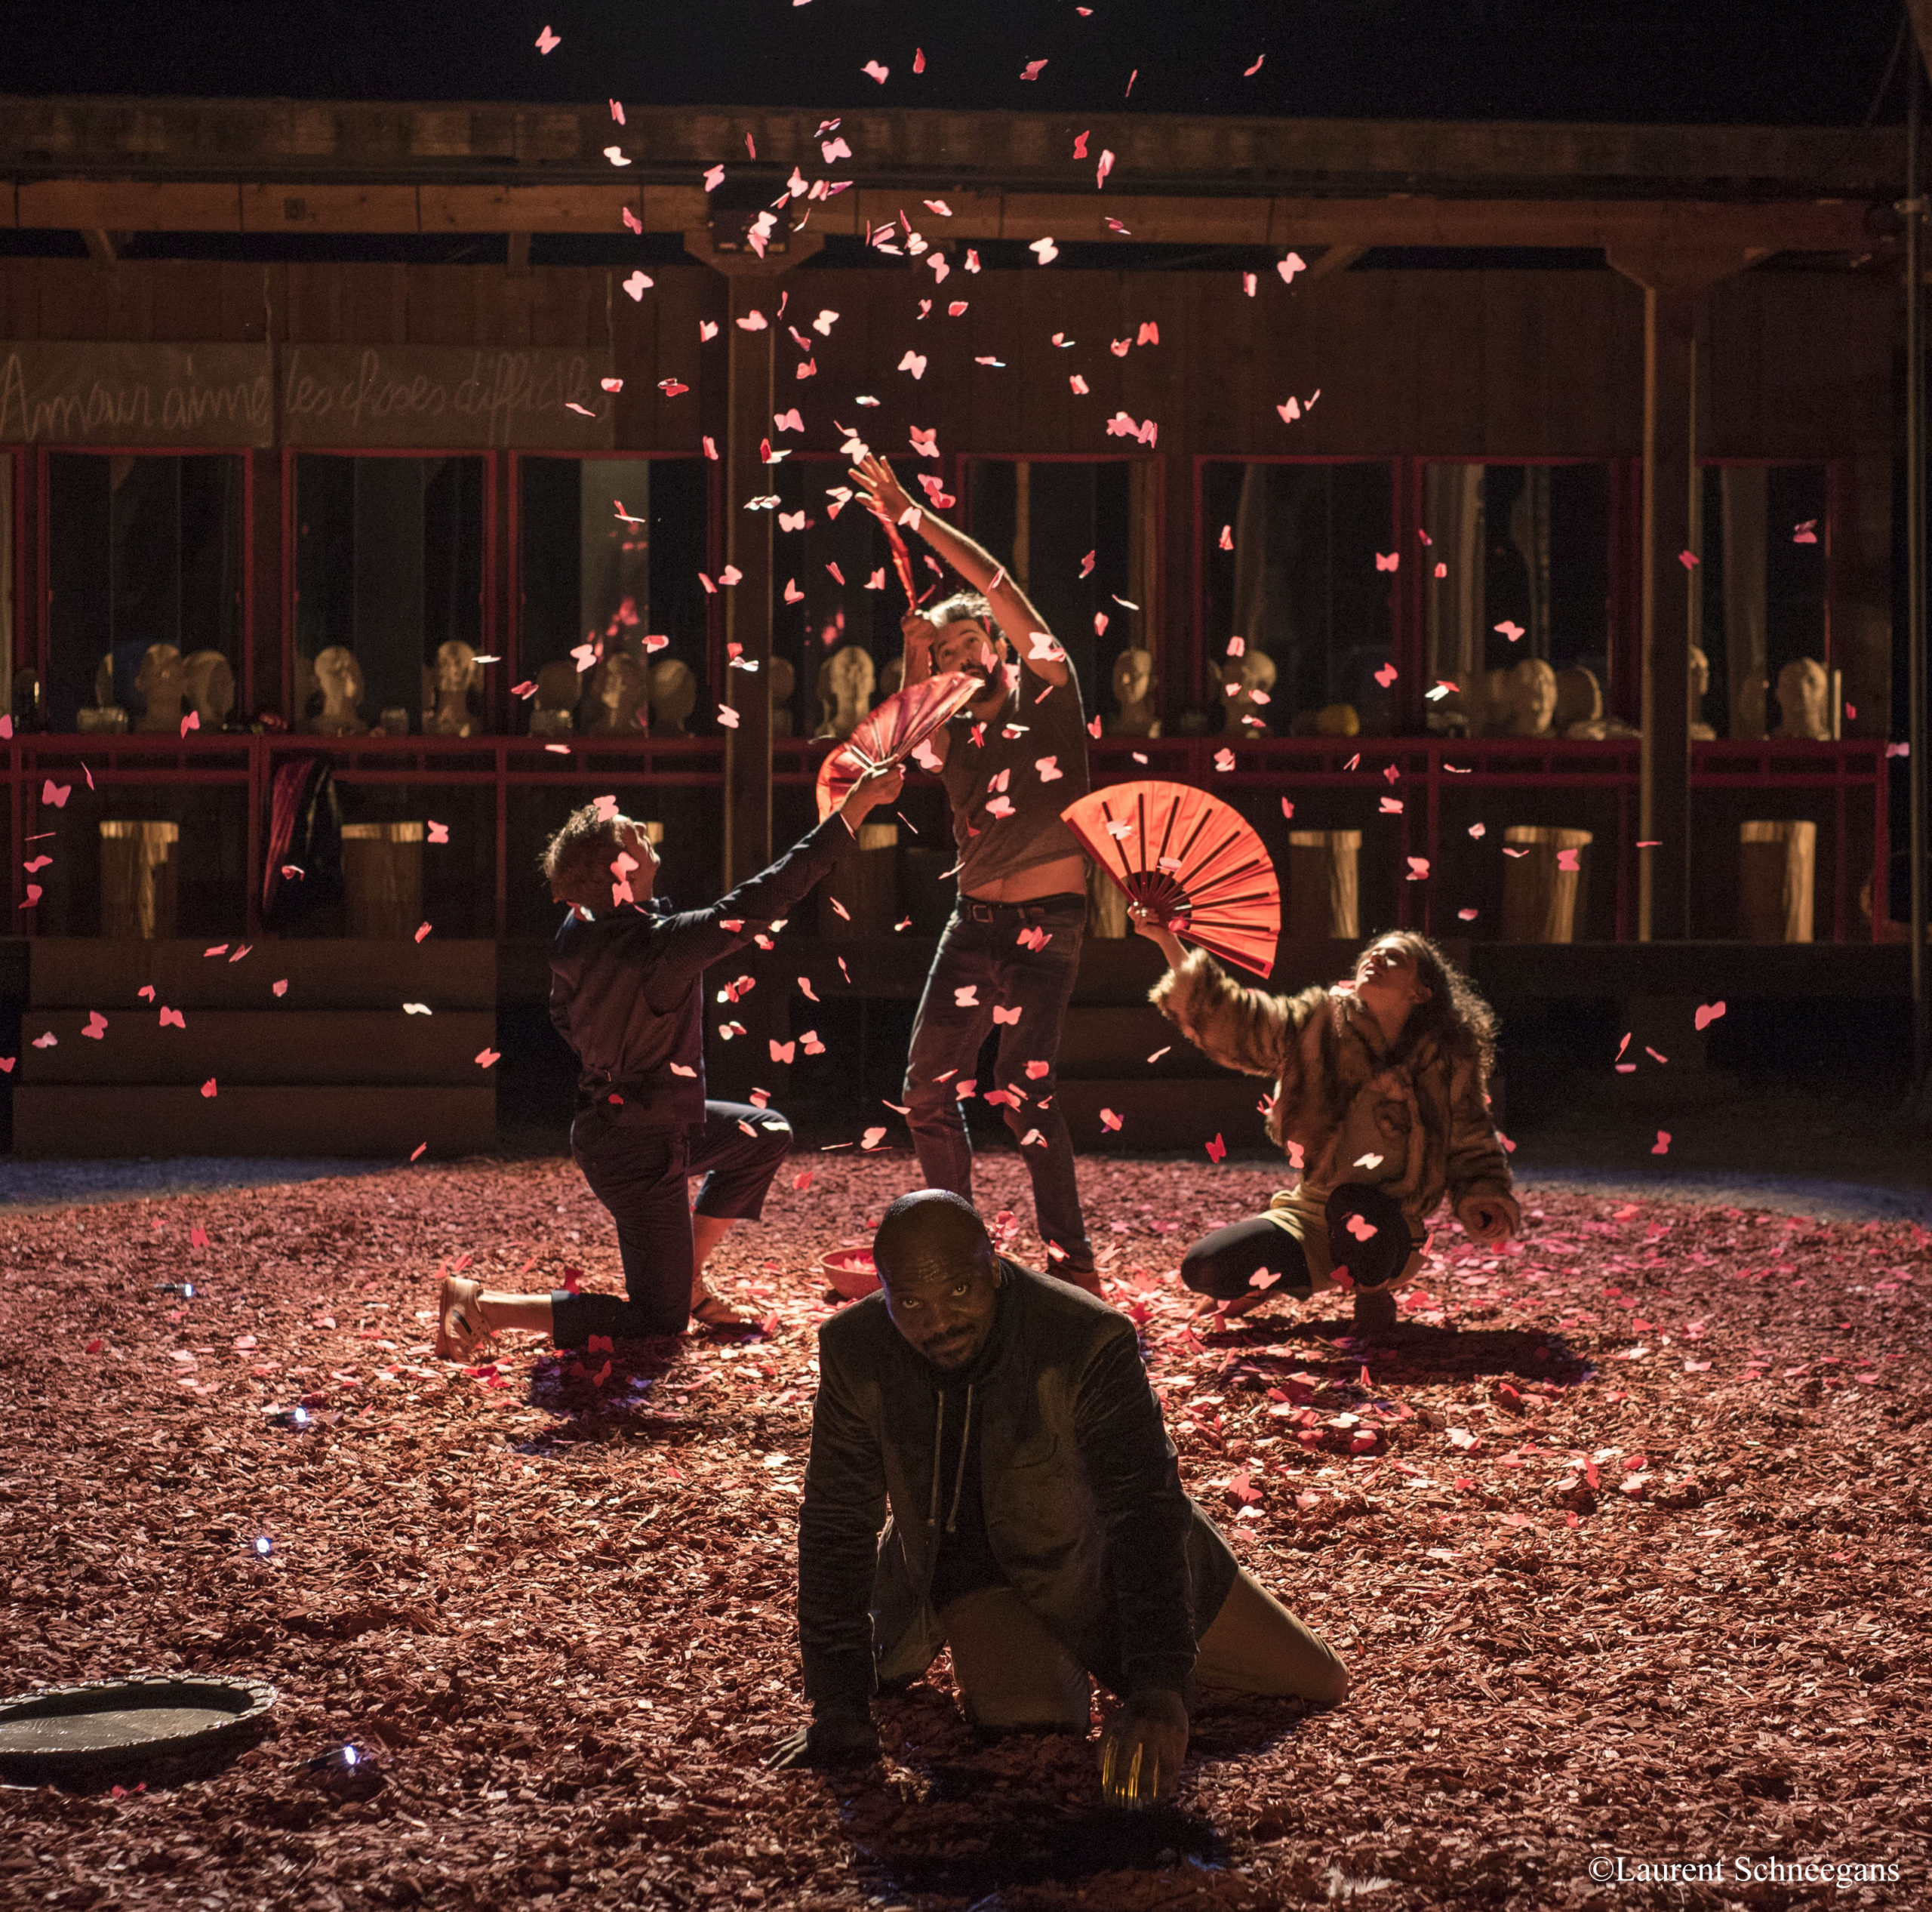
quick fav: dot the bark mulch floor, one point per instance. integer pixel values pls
(1624, 1540)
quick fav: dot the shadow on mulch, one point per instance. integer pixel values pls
(943, 1839)
(1415, 1351)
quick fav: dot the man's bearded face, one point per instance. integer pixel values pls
(965, 646)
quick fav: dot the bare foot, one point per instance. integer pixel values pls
(707, 1310)
(1241, 1305)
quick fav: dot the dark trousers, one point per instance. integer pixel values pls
(641, 1174)
(1224, 1264)
(981, 952)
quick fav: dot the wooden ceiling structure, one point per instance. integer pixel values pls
(1676, 209)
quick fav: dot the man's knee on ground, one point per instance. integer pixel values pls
(775, 1134)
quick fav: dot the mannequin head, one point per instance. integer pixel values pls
(673, 696)
(1532, 698)
(1803, 699)
(163, 682)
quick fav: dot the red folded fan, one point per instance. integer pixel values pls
(895, 729)
(901, 559)
(1191, 859)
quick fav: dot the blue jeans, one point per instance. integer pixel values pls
(981, 951)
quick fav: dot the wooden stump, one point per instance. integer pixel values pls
(1324, 894)
(137, 878)
(1777, 869)
(381, 876)
(867, 882)
(1543, 892)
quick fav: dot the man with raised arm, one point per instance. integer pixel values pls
(1038, 1524)
(626, 993)
(1011, 761)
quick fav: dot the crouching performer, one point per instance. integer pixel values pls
(1381, 1101)
(626, 993)
(1037, 1525)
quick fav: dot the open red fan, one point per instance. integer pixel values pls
(895, 729)
(1190, 858)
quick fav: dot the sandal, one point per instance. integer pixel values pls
(460, 1327)
(709, 1310)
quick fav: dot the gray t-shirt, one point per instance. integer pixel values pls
(1010, 777)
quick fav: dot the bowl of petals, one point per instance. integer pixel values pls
(849, 1273)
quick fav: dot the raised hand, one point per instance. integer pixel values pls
(879, 491)
(1148, 923)
(880, 784)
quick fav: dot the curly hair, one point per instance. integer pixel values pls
(576, 861)
(958, 608)
(1455, 1012)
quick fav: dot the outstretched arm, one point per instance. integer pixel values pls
(694, 939)
(1013, 611)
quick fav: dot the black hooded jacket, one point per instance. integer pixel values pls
(1080, 1490)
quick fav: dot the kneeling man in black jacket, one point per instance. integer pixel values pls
(1037, 1523)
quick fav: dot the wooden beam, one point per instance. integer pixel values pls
(129, 205)
(306, 209)
(748, 535)
(1335, 259)
(936, 151)
(1675, 282)
(1647, 226)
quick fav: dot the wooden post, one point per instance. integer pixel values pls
(748, 603)
(1674, 282)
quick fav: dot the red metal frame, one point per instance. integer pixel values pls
(43, 620)
(1208, 695)
(486, 583)
(14, 636)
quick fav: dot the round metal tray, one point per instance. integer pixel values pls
(82, 1731)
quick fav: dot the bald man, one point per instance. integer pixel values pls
(1038, 1525)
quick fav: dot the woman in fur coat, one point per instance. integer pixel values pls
(1380, 1102)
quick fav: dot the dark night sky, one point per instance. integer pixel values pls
(1769, 61)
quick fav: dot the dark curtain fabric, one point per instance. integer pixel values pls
(305, 833)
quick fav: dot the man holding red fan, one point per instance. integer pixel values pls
(1011, 761)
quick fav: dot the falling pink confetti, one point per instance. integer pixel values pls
(1108, 1120)
(1294, 263)
(1512, 631)
(209, 1089)
(1248, 73)
(1418, 868)
(1688, 559)
(280, 986)
(1044, 250)
(1707, 1014)
(635, 286)
(547, 41)
(1385, 676)
(1217, 1149)
(1032, 70)
(1387, 560)
(488, 1058)
(872, 70)
(56, 794)
(1662, 1145)
(422, 930)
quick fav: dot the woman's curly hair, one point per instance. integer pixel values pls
(1455, 1013)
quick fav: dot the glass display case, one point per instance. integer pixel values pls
(388, 618)
(609, 551)
(1300, 561)
(146, 559)
(1763, 533)
(1515, 580)
(1045, 518)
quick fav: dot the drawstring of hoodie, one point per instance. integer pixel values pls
(959, 1477)
(939, 1429)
